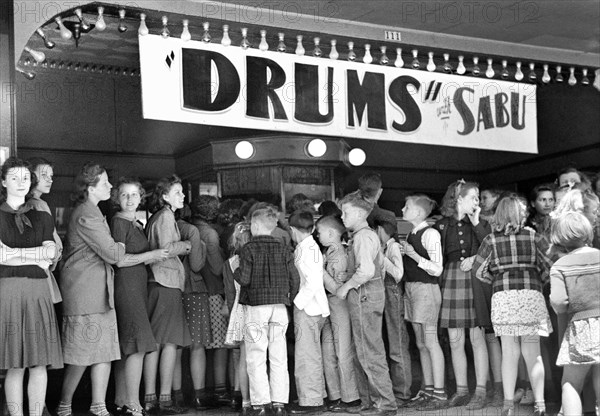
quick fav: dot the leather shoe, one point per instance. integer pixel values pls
(374, 411)
(358, 409)
(345, 407)
(459, 400)
(279, 410)
(305, 410)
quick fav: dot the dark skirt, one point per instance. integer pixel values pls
(29, 334)
(167, 318)
(197, 312)
(458, 308)
(131, 304)
(482, 299)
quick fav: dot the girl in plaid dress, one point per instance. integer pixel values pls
(513, 260)
(462, 232)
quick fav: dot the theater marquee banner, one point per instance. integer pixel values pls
(196, 82)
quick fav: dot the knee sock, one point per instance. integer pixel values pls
(64, 409)
(99, 409)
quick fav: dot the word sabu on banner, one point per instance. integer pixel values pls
(210, 84)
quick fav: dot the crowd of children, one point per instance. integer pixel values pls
(498, 271)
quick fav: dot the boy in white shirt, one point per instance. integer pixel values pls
(310, 310)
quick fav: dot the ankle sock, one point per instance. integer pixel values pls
(540, 405)
(165, 400)
(64, 409)
(439, 393)
(99, 409)
(246, 403)
(508, 404)
(480, 391)
(429, 390)
(462, 390)
(150, 398)
(200, 393)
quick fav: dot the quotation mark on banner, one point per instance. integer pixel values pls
(437, 85)
(170, 59)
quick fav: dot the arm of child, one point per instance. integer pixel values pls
(431, 240)
(558, 291)
(366, 249)
(311, 268)
(481, 263)
(244, 271)
(393, 262)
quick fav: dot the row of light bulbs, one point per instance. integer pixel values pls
(368, 58)
(316, 148)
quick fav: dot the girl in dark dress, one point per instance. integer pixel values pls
(27, 249)
(131, 295)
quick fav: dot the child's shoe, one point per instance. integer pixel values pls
(528, 398)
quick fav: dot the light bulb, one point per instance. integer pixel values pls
(206, 38)
(367, 59)
(399, 63)
(185, 33)
(384, 60)
(85, 25)
(48, 43)
(122, 26)
(64, 32)
(461, 69)
(584, 79)
(559, 77)
(165, 33)
(447, 64)
(546, 76)
(281, 45)
(430, 63)
(333, 53)
(38, 56)
(27, 74)
(357, 157)
(244, 44)
(263, 45)
(351, 53)
(317, 52)
(143, 29)
(226, 40)
(490, 69)
(476, 70)
(415, 63)
(519, 74)
(504, 73)
(572, 80)
(299, 48)
(100, 23)
(532, 75)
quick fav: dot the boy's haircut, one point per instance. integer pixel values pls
(267, 217)
(389, 227)
(334, 222)
(570, 231)
(510, 215)
(302, 220)
(422, 201)
(358, 200)
(369, 184)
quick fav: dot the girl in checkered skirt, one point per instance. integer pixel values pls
(462, 232)
(513, 260)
